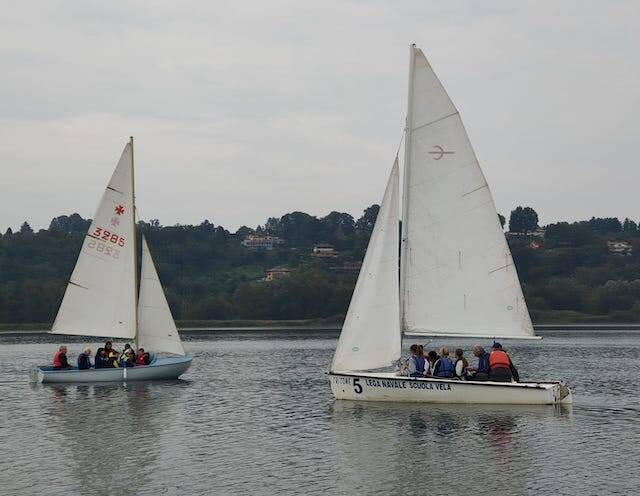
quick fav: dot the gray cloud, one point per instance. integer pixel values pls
(244, 110)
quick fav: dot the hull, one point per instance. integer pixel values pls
(159, 369)
(391, 387)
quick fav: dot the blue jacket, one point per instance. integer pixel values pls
(483, 363)
(444, 368)
(83, 362)
(102, 362)
(416, 366)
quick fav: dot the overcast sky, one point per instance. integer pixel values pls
(248, 109)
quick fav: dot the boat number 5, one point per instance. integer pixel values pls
(356, 386)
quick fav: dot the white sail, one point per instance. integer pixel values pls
(100, 297)
(458, 275)
(156, 328)
(370, 337)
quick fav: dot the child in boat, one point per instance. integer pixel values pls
(60, 359)
(461, 364)
(127, 359)
(142, 357)
(84, 359)
(108, 348)
(113, 357)
(432, 358)
(101, 360)
(416, 361)
(444, 366)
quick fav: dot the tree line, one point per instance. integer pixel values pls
(568, 273)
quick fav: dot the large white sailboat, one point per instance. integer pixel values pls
(102, 297)
(455, 275)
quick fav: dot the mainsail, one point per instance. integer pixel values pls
(458, 277)
(100, 297)
(370, 337)
(156, 328)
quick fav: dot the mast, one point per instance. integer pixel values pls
(135, 248)
(405, 188)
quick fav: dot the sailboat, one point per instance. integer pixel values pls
(102, 297)
(455, 276)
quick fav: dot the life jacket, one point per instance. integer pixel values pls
(56, 359)
(420, 363)
(446, 368)
(140, 359)
(464, 367)
(499, 359)
(483, 363)
(113, 359)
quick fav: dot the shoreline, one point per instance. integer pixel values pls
(42, 329)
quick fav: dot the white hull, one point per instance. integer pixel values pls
(380, 386)
(159, 369)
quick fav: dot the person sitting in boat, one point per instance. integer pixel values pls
(127, 359)
(481, 372)
(84, 359)
(416, 362)
(432, 358)
(114, 359)
(101, 360)
(108, 348)
(142, 357)
(499, 365)
(444, 366)
(60, 359)
(461, 364)
(501, 356)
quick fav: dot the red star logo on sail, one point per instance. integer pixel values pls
(119, 210)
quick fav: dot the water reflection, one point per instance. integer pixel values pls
(441, 443)
(113, 433)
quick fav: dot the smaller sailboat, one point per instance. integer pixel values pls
(456, 274)
(102, 297)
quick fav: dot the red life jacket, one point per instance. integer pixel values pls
(140, 359)
(56, 359)
(499, 359)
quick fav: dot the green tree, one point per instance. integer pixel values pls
(523, 220)
(25, 228)
(629, 226)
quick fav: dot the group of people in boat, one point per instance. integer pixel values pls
(495, 365)
(105, 357)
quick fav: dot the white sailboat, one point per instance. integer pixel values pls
(102, 297)
(457, 277)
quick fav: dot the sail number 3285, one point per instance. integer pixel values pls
(108, 236)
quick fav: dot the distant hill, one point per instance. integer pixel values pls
(585, 271)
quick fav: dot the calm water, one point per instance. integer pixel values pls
(255, 415)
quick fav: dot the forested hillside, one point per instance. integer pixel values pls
(580, 271)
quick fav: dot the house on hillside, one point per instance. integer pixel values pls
(277, 273)
(324, 251)
(537, 233)
(620, 247)
(261, 243)
(347, 267)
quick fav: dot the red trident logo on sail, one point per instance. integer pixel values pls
(440, 152)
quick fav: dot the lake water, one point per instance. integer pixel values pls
(255, 416)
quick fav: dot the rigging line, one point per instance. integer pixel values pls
(433, 122)
(404, 131)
